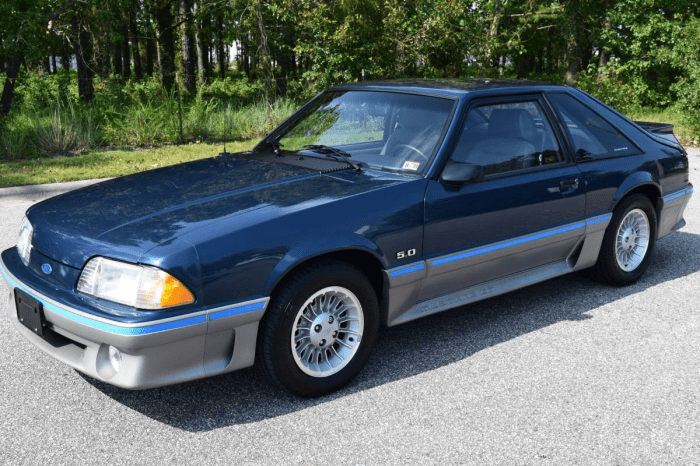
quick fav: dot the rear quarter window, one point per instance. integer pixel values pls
(591, 136)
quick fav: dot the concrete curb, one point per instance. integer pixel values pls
(43, 190)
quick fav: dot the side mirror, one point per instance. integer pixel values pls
(456, 173)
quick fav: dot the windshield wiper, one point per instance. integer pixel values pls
(321, 149)
(334, 153)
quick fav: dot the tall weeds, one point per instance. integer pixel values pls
(66, 128)
(134, 114)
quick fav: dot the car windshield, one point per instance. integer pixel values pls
(381, 130)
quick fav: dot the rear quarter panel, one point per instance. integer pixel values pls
(609, 180)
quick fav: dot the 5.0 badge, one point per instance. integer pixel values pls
(405, 254)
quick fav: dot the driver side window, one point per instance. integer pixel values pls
(507, 137)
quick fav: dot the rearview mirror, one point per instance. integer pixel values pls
(457, 173)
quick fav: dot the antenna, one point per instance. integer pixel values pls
(227, 124)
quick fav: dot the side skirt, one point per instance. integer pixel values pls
(401, 302)
(483, 291)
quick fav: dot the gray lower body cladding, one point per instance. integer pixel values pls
(465, 277)
(152, 354)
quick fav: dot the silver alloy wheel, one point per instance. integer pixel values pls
(632, 240)
(327, 331)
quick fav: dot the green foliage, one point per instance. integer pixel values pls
(238, 89)
(67, 128)
(51, 119)
(686, 56)
(633, 54)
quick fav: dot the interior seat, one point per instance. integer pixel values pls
(507, 146)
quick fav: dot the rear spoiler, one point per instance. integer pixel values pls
(662, 130)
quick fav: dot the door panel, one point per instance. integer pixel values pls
(527, 212)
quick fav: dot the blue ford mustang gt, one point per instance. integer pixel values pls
(376, 203)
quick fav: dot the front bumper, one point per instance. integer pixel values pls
(154, 353)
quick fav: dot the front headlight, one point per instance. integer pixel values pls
(24, 243)
(139, 286)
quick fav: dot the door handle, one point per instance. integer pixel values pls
(566, 184)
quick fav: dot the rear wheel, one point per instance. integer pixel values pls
(320, 328)
(628, 242)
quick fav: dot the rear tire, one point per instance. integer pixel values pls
(628, 242)
(319, 329)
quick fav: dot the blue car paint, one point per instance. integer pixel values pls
(231, 228)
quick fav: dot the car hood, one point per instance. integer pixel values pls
(125, 217)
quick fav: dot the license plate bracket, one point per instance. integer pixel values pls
(30, 312)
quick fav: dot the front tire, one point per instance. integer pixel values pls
(628, 242)
(319, 329)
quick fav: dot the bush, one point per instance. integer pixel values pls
(66, 129)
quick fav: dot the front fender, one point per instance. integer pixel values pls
(311, 249)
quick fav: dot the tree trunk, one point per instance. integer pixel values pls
(117, 58)
(523, 67)
(133, 13)
(166, 45)
(573, 52)
(492, 58)
(549, 50)
(281, 79)
(53, 64)
(8, 90)
(586, 50)
(83, 53)
(264, 49)
(207, 45)
(202, 52)
(285, 59)
(66, 55)
(246, 57)
(126, 55)
(604, 55)
(220, 52)
(150, 50)
(210, 70)
(189, 47)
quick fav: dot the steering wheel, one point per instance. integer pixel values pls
(408, 146)
(410, 157)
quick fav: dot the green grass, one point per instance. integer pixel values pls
(681, 124)
(105, 164)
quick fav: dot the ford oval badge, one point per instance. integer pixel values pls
(46, 268)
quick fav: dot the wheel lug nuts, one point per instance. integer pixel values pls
(323, 342)
(330, 320)
(318, 328)
(335, 334)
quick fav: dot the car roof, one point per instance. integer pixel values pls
(452, 86)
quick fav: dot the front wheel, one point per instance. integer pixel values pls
(320, 328)
(628, 242)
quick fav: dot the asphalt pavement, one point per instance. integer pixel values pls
(569, 371)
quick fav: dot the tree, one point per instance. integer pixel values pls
(189, 46)
(83, 53)
(134, 11)
(162, 12)
(23, 27)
